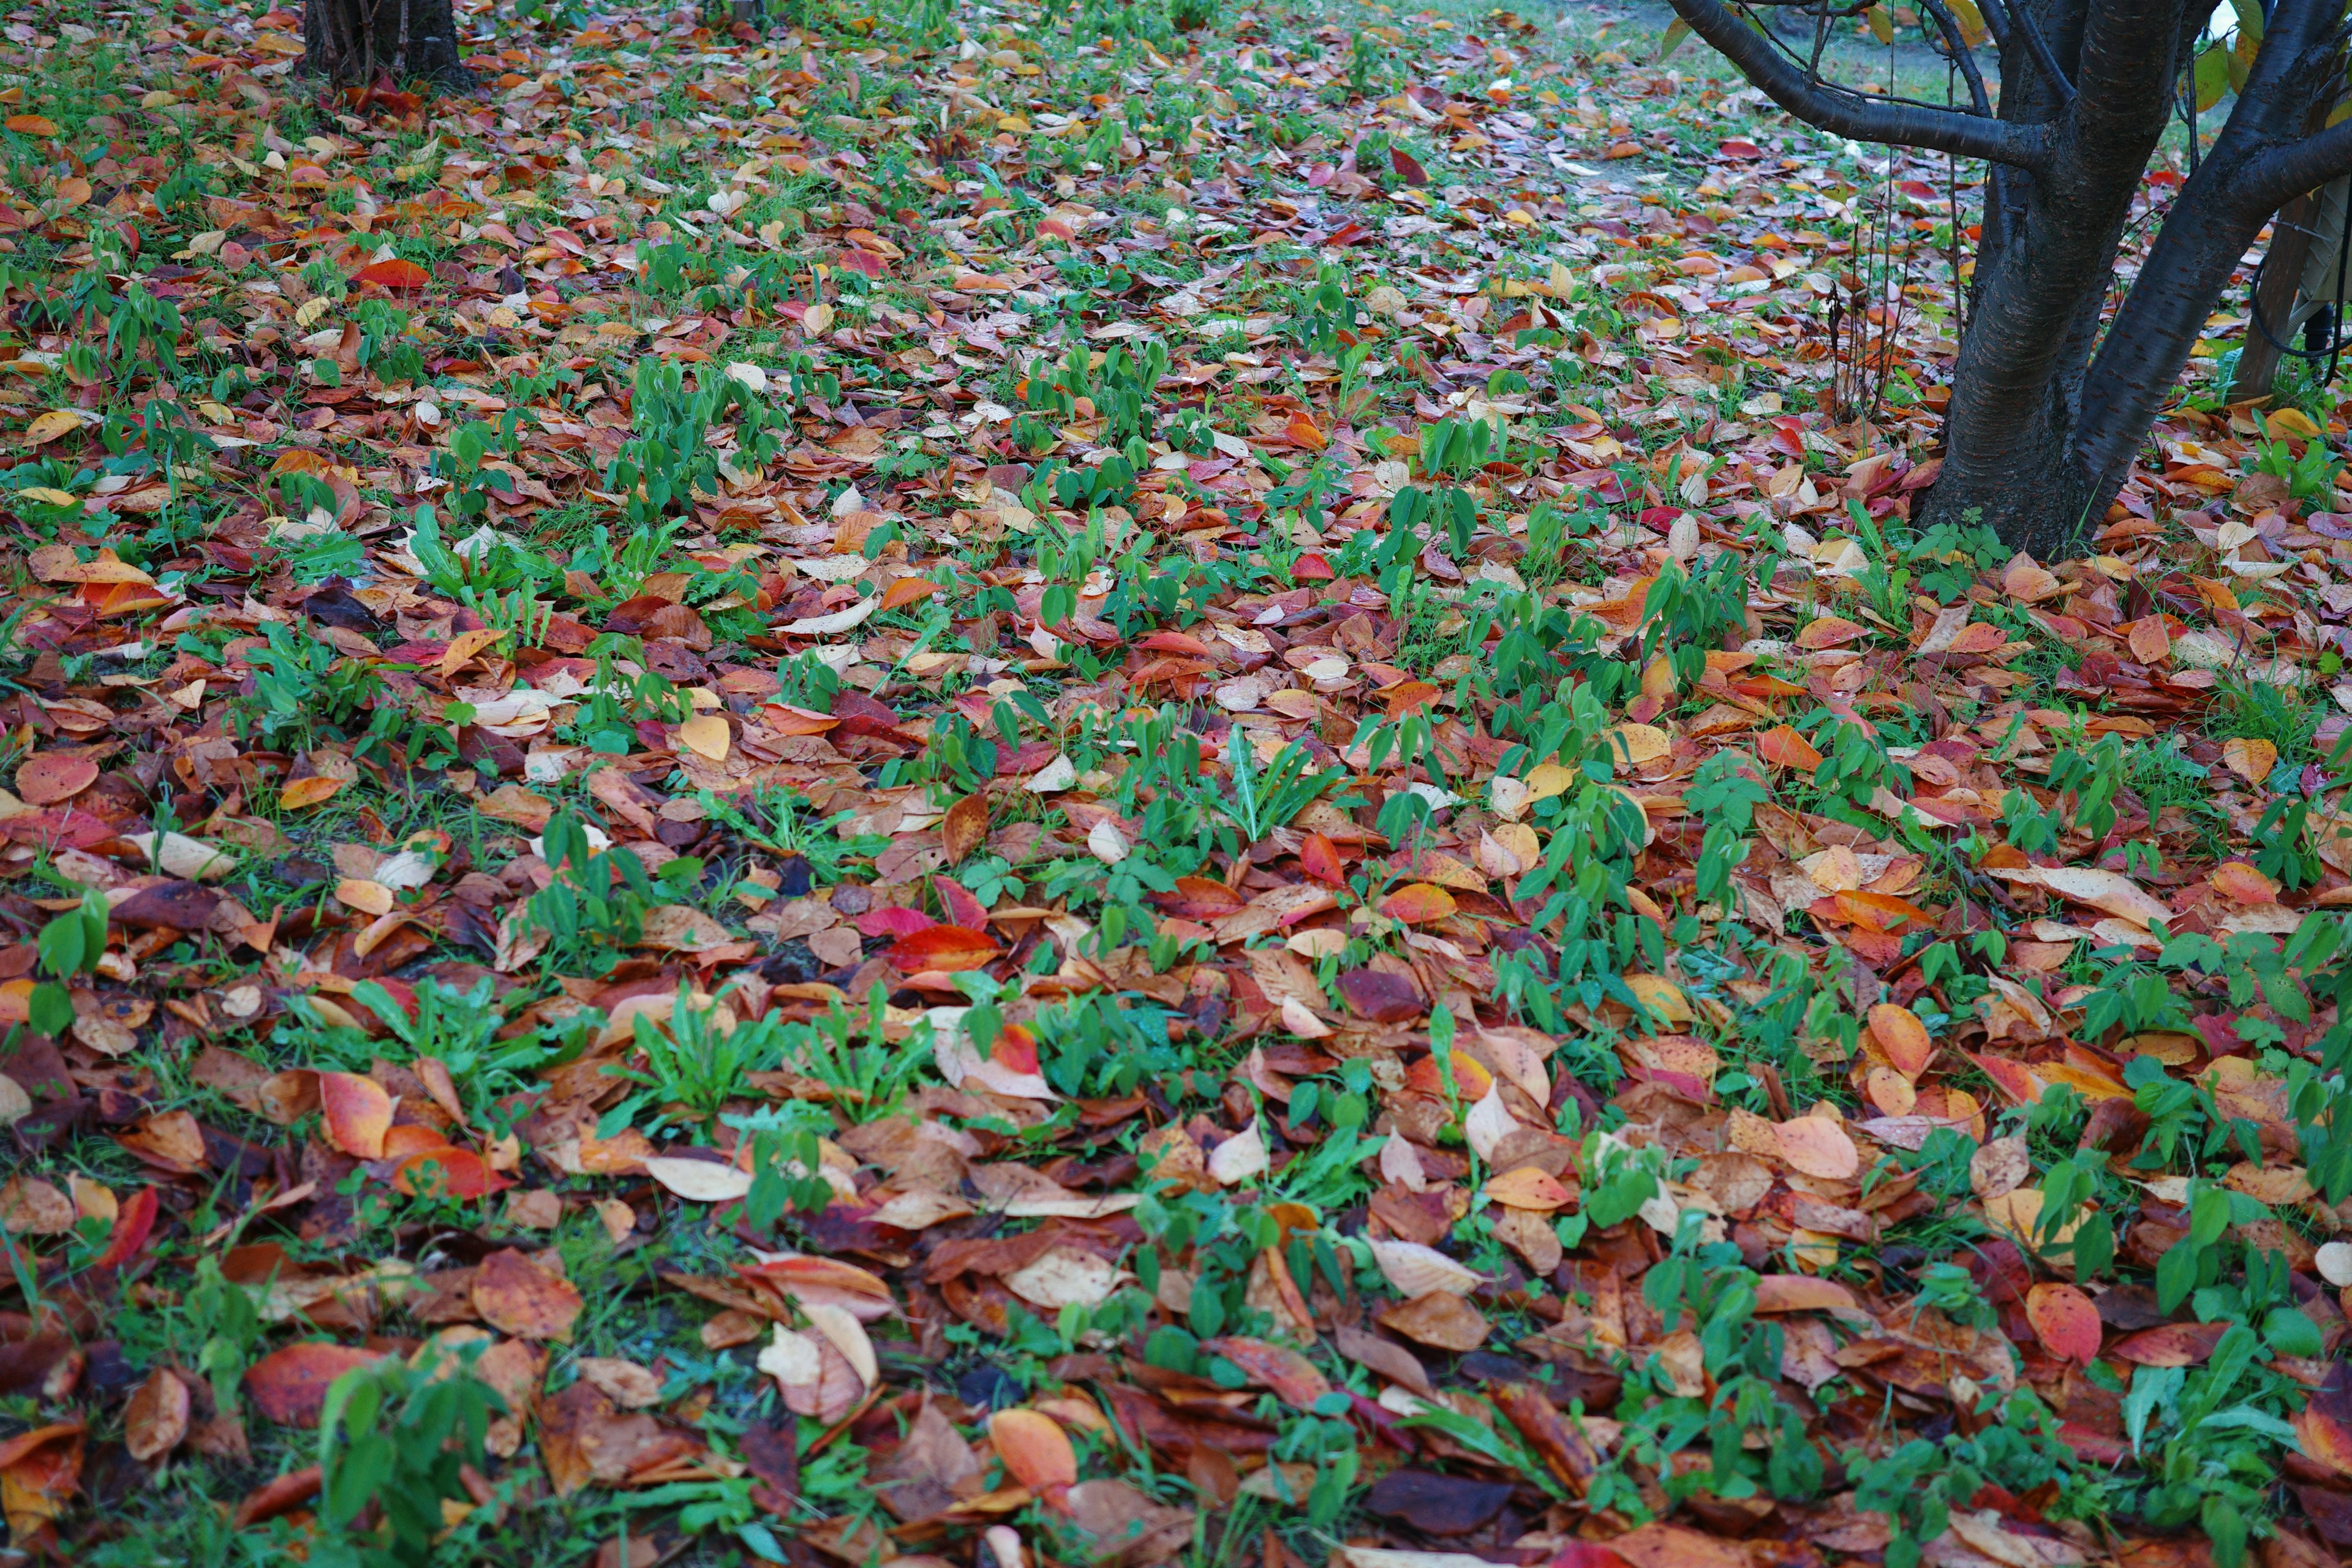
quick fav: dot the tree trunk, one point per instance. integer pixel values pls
(2258, 361)
(355, 42)
(2018, 390)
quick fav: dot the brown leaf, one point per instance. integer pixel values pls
(1293, 1378)
(965, 828)
(1441, 1319)
(155, 1421)
(518, 1297)
(1436, 1504)
(289, 1386)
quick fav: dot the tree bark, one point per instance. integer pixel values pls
(2017, 390)
(355, 42)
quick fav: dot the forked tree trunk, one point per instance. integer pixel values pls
(358, 41)
(2043, 271)
(2048, 409)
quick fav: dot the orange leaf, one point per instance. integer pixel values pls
(518, 1297)
(2250, 759)
(945, 948)
(303, 794)
(1817, 1146)
(1529, 1187)
(1302, 432)
(1830, 631)
(1904, 1038)
(1783, 748)
(48, 777)
(904, 591)
(449, 1172)
(1035, 1450)
(2324, 1438)
(290, 1386)
(2015, 1079)
(2241, 884)
(32, 125)
(1418, 903)
(1406, 696)
(358, 1112)
(394, 273)
(2066, 1320)
(1319, 859)
(965, 828)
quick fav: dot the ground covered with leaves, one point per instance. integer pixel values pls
(1148, 784)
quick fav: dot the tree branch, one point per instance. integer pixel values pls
(1844, 112)
(2032, 32)
(2285, 85)
(1958, 51)
(2276, 177)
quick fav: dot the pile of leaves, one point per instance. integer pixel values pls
(1122, 783)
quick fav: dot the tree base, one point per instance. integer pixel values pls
(355, 42)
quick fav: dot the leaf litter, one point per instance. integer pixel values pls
(1131, 785)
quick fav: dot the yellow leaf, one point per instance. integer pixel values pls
(368, 898)
(706, 735)
(1881, 24)
(1548, 779)
(1630, 745)
(2292, 421)
(48, 427)
(303, 794)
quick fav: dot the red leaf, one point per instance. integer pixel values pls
(133, 1222)
(947, 948)
(1319, 859)
(290, 1386)
(2066, 1320)
(896, 920)
(1408, 166)
(452, 1173)
(393, 274)
(962, 909)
